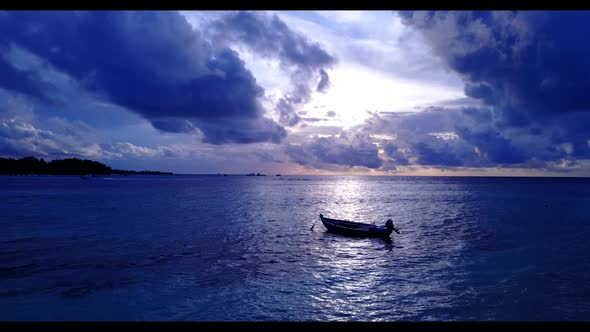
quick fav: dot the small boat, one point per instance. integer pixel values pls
(351, 228)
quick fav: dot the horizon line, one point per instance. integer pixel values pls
(390, 175)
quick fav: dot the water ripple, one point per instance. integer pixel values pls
(241, 248)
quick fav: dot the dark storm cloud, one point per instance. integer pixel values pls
(463, 137)
(174, 125)
(344, 150)
(397, 156)
(22, 81)
(227, 130)
(242, 131)
(152, 63)
(437, 137)
(269, 36)
(499, 150)
(531, 68)
(436, 152)
(426, 138)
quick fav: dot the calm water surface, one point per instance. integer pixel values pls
(240, 248)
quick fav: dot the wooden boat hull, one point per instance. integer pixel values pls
(355, 229)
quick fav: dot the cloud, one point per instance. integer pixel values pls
(152, 63)
(229, 130)
(23, 133)
(242, 131)
(531, 68)
(502, 59)
(344, 150)
(464, 137)
(438, 152)
(313, 119)
(269, 157)
(497, 149)
(65, 139)
(268, 36)
(23, 81)
(287, 114)
(324, 81)
(525, 78)
(395, 154)
(129, 150)
(21, 138)
(444, 138)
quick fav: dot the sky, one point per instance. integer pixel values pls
(300, 92)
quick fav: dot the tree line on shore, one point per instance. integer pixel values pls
(69, 166)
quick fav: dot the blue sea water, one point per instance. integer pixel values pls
(214, 248)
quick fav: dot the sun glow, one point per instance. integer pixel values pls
(356, 92)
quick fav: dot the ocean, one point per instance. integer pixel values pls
(239, 248)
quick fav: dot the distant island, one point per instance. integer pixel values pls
(69, 166)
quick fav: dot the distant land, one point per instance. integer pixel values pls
(69, 166)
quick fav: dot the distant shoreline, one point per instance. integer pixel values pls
(31, 166)
(291, 176)
(71, 166)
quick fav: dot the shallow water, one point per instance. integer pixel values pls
(240, 248)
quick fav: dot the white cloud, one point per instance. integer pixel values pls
(128, 150)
